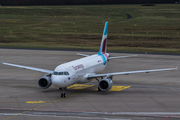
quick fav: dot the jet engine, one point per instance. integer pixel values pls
(45, 82)
(105, 84)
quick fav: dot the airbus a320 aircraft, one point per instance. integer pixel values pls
(83, 70)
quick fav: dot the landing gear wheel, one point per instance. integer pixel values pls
(63, 95)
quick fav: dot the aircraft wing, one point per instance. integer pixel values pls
(129, 72)
(29, 68)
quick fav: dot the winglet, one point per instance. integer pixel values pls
(177, 68)
(3, 62)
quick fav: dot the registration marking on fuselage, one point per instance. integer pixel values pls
(83, 86)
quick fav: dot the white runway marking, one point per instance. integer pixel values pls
(83, 115)
(65, 116)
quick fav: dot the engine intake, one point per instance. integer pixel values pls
(105, 84)
(45, 82)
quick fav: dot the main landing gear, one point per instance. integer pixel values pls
(98, 81)
(63, 94)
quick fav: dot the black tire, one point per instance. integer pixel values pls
(62, 95)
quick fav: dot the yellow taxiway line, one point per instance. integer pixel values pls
(75, 86)
(83, 86)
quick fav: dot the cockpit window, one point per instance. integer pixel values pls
(61, 73)
(55, 73)
(66, 73)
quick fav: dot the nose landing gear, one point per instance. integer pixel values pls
(63, 94)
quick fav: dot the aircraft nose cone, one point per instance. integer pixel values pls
(57, 81)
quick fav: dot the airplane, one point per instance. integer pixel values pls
(83, 70)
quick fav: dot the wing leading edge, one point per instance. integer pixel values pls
(130, 72)
(29, 68)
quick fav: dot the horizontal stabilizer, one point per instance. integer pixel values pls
(121, 57)
(82, 54)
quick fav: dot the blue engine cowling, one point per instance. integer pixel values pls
(45, 82)
(105, 84)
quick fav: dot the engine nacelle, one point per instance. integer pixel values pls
(45, 82)
(105, 84)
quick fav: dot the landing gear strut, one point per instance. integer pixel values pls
(99, 89)
(63, 94)
(98, 81)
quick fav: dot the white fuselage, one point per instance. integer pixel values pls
(78, 70)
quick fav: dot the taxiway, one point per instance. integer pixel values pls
(142, 96)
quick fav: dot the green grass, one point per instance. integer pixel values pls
(53, 27)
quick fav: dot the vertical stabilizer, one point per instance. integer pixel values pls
(103, 45)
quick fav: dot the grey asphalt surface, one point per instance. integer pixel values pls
(154, 95)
